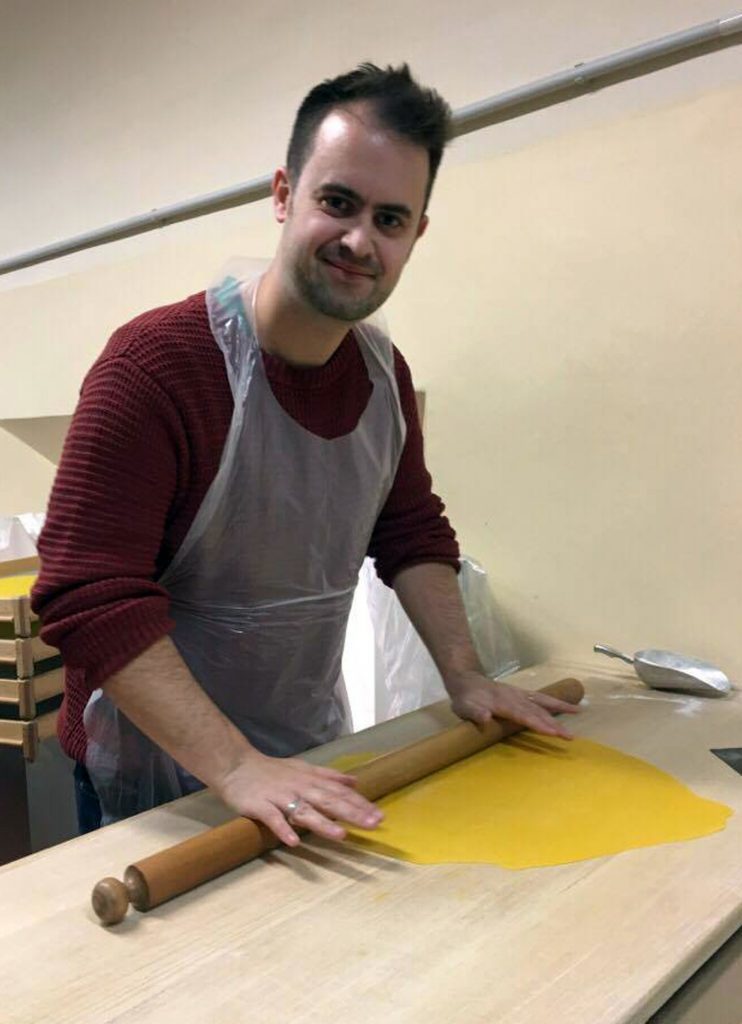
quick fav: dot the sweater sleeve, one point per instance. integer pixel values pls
(411, 527)
(96, 594)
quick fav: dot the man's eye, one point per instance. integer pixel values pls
(389, 221)
(335, 204)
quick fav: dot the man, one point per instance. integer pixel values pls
(232, 460)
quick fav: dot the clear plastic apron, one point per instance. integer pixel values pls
(262, 585)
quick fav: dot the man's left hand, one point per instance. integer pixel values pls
(478, 699)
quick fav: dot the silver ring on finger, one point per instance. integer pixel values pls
(292, 808)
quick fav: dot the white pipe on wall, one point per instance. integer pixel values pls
(512, 103)
(581, 76)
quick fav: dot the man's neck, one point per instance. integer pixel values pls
(286, 328)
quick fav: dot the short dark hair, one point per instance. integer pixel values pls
(402, 106)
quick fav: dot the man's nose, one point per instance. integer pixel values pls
(359, 238)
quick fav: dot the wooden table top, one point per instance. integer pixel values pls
(331, 935)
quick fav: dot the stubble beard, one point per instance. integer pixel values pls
(325, 299)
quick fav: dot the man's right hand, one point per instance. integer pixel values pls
(285, 792)
(178, 716)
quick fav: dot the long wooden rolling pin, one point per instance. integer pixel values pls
(173, 871)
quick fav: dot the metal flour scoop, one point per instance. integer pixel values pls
(663, 670)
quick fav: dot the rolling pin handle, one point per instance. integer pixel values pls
(110, 900)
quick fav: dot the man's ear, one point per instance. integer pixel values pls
(281, 190)
(421, 229)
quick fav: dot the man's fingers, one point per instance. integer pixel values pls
(545, 724)
(350, 807)
(307, 816)
(530, 715)
(277, 822)
(481, 715)
(477, 713)
(547, 727)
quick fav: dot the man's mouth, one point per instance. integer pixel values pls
(349, 268)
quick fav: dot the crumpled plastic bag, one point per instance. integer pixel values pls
(406, 677)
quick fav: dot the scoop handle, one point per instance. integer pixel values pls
(612, 653)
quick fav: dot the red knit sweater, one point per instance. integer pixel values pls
(142, 450)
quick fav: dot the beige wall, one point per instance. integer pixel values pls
(584, 414)
(572, 314)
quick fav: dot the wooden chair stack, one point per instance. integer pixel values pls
(31, 686)
(31, 680)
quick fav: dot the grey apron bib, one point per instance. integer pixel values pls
(262, 585)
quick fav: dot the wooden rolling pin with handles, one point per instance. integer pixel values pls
(182, 867)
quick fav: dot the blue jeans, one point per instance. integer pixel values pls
(88, 805)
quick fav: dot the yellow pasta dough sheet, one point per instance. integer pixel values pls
(533, 801)
(16, 586)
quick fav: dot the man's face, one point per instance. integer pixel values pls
(352, 218)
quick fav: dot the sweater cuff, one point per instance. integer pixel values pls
(113, 638)
(389, 577)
